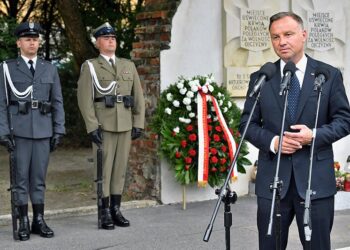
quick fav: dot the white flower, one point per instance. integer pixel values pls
(176, 130)
(183, 91)
(190, 94)
(231, 121)
(205, 89)
(225, 109)
(211, 88)
(192, 83)
(219, 94)
(215, 118)
(191, 114)
(195, 100)
(185, 120)
(212, 108)
(176, 103)
(220, 102)
(229, 104)
(208, 116)
(169, 97)
(180, 85)
(168, 111)
(189, 107)
(194, 88)
(186, 101)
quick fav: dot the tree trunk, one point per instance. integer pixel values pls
(78, 38)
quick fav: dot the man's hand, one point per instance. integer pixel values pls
(96, 137)
(7, 142)
(304, 136)
(289, 145)
(135, 133)
(55, 140)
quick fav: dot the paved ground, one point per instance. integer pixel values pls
(166, 227)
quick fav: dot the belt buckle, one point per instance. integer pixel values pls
(119, 98)
(35, 104)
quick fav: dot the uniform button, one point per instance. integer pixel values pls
(289, 158)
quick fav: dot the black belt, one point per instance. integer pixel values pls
(34, 104)
(116, 98)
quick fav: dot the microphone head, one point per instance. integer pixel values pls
(268, 69)
(290, 66)
(322, 70)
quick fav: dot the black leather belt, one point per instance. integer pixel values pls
(116, 98)
(34, 104)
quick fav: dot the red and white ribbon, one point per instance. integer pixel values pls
(203, 137)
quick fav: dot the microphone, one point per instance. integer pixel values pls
(265, 74)
(322, 75)
(288, 71)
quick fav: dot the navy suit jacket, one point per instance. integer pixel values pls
(333, 124)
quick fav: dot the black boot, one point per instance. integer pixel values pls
(117, 216)
(106, 218)
(23, 230)
(39, 225)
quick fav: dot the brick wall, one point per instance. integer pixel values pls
(153, 35)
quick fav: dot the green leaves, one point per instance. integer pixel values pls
(175, 120)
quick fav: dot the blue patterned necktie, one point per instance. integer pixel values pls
(293, 97)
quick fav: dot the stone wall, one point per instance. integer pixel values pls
(153, 34)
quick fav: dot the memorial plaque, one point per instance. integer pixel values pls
(320, 30)
(238, 80)
(255, 30)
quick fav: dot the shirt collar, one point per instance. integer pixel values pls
(107, 58)
(301, 65)
(26, 59)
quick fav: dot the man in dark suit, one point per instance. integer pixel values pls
(31, 98)
(288, 38)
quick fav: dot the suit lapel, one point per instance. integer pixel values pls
(105, 65)
(39, 68)
(22, 66)
(307, 87)
(276, 85)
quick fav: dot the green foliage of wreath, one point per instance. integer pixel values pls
(175, 120)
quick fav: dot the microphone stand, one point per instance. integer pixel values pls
(309, 192)
(225, 194)
(277, 184)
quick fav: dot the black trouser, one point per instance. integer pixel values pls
(322, 214)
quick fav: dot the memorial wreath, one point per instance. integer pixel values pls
(198, 124)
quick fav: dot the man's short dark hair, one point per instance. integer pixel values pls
(280, 15)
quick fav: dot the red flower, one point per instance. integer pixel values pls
(218, 128)
(210, 127)
(223, 169)
(173, 133)
(216, 137)
(223, 148)
(187, 167)
(189, 128)
(192, 137)
(238, 134)
(213, 151)
(209, 120)
(213, 169)
(214, 159)
(192, 152)
(222, 161)
(188, 160)
(183, 143)
(178, 154)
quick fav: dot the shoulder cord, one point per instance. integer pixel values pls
(95, 82)
(18, 94)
